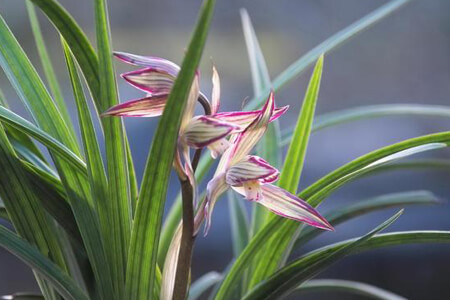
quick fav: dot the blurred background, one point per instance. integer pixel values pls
(403, 59)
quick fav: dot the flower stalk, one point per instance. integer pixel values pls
(187, 242)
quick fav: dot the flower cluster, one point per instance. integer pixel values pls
(230, 135)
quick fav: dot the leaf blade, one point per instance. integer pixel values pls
(311, 265)
(145, 232)
(62, 282)
(348, 286)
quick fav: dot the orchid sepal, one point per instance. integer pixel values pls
(150, 106)
(205, 130)
(151, 80)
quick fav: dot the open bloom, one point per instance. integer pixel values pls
(156, 78)
(252, 176)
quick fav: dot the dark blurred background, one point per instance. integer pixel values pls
(403, 59)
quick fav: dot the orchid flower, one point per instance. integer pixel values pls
(252, 177)
(156, 78)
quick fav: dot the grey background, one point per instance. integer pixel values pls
(403, 59)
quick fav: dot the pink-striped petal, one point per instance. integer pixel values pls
(149, 61)
(249, 169)
(246, 140)
(204, 130)
(215, 188)
(151, 80)
(215, 95)
(190, 105)
(245, 118)
(151, 106)
(289, 206)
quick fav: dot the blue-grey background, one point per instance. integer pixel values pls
(403, 59)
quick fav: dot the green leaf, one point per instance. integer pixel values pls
(23, 207)
(19, 138)
(117, 205)
(78, 43)
(147, 224)
(376, 242)
(33, 93)
(47, 65)
(239, 223)
(280, 246)
(295, 69)
(202, 284)
(335, 179)
(24, 126)
(346, 213)
(347, 286)
(42, 265)
(268, 145)
(369, 112)
(51, 197)
(287, 278)
(293, 164)
(260, 74)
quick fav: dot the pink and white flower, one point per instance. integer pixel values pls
(252, 176)
(156, 78)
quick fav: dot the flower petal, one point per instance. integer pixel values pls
(149, 61)
(246, 140)
(190, 105)
(289, 206)
(151, 106)
(245, 118)
(216, 187)
(150, 80)
(170, 265)
(249, 169)
(215, 95)
(204, 130)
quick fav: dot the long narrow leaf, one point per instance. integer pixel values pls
(366, 206)
(31, 90)
(47, 65)
(28, 217)
(290, 176)
(32, 257)
(202, 284)
(326, 46)
(118, 204)
(147, 224)
(347, 286)
(376, 242)
(78, 43)
(369, 112)
(268, 145)
(282, 282)
(239, 223)
(51, 143)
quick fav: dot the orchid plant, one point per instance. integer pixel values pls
(89, 230)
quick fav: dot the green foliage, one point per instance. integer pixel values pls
(148, 217)
(88, 232)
